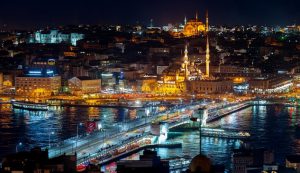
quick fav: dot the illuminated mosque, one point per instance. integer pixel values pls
(184, 75)
(175, 78)
(192, 27)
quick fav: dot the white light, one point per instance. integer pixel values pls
(99, 126)
(137, 102)
(35, 72)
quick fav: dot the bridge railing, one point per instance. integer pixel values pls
(107, 150)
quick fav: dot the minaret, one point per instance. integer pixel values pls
(207, 59)
(186, 62)
(151, 23)
(207, 25)
(185, 20)
(196, 16)
(186, 52)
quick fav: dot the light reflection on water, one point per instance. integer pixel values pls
(273, 127)
(32, 128)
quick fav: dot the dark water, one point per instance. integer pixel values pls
(272, 127)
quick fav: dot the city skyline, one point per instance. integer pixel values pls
(32, 14)
(118, 86)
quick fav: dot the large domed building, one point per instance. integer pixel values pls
(174, 79)
(194, 27)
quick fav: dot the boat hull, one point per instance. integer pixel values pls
(30, 106)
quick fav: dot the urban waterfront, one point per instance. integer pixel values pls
(33, 128)
(260, 122)
(274, 127)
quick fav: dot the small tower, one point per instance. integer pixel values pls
(186, 56)
(185, 20)
(196, 16)
(207, 59)
(151, 23)
(207, 24)
(186, 62)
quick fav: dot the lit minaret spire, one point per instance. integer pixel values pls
(196, 16)
(207, 25)
(207, 60)
(185, 20)
(186, 52)
(186, 61)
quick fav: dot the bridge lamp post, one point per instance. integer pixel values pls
(77, 133)
(19, 144)
(49, 138)
(147, 111)
(101, 129)
(195, 119)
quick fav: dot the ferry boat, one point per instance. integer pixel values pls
(179, 164)
(30, 105)
(221, 133)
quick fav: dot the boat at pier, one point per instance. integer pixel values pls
(30, 105)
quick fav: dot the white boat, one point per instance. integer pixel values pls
(30, 105)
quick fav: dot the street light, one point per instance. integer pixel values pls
(19, 144)
(147, 111)
(79, 124)
(200, 119)
(77, 129)
(52, 133)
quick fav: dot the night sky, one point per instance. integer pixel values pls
(39, 13)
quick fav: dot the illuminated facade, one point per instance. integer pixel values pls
(211, 86)
(38, 83)
(84, 85)
(55, 37)
(279, 84)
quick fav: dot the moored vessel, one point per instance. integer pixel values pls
(30, 105)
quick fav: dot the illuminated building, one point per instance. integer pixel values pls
(55, 36)
(159, 51)
(38, 83)
(173, 79)
(211, 86)
(253, 160)
(293, 161)
(297, 81)
(113, 80)
(270, 85)
(44, 62)
(108, 80)
(84, 85)
(208, 84)
(8, 80)
(193, 27)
